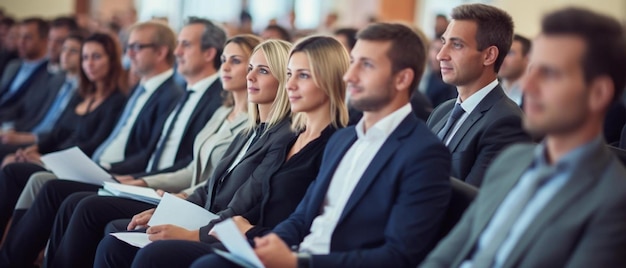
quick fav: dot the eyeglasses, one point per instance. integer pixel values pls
(136, 47)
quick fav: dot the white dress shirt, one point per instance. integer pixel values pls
(115, 151)
(347, 175)
(515, 93)
(469, 105)
(173, 142)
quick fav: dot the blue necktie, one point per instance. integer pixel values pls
(57, 107)
(457, 112)
(130, 105)
(158, 153)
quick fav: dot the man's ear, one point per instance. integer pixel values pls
(403, 79)
(601, 93)
(210, 54)
(491, 55)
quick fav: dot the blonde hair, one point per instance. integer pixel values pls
(276, 53)
(328, 62)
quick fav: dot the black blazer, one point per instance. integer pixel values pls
(85, 131)
(493, 125)
(38, 81)
(210, 101)
(260, 158)
(146, 130)
(28, 114)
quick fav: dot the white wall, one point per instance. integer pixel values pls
(44, 8)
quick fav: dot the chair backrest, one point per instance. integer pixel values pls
(462, 196)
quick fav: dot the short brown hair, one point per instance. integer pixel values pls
(162, 35)
(43, 27)
(495, 27)
(605, 52)
(407, 49)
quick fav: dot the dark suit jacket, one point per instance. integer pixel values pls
(210, 101)
(38, 81)
(395, 211)
(260, 158)
(585, 220)
(28, 114)
(146, 131)
(494, 124)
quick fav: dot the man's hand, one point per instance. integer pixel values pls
(242, 224)
(140, 220)
(180, 195)
(171, 232)
(17, 138)
(137, 182)
(273, 252)
(123, 178)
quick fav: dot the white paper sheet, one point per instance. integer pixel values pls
(73, 164)
(179, 212)
(139, 240)
(236, 243)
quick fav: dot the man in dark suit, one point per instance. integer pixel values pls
(200, 44)
(34, 119)
(514, 66)
(28, 73)
(563, 202)
(383, 185)
(8, 45)
(481, 121)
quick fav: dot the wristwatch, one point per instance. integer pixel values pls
(304, 260)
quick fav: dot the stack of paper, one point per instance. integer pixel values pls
(171, 210)
(73, 164)
(142, 194)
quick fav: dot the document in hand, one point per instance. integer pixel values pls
(239, 249)
(73, 164)
(143, 194)
(171, 210)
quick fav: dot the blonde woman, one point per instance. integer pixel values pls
(316, 93)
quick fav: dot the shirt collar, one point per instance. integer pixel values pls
(202, 85)
(470, 103)
(384, 127)
(154, 82)
(573, 158)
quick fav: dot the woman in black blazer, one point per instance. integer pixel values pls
(86, 122)
(316, 93)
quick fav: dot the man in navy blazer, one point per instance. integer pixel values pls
(30, 71)
(383, 185)
(482, 120)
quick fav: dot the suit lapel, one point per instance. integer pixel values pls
(583, 179)
(439, 125)
(495, 95)
(213, 91)
(378, 163)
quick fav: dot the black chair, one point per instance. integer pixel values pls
(462, 196)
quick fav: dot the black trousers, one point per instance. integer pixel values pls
(80, 225)
(28, 237)
(165, 253)
(13, 179)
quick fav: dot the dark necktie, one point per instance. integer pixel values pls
(161, 146)
(486, 256)
(456, 113)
